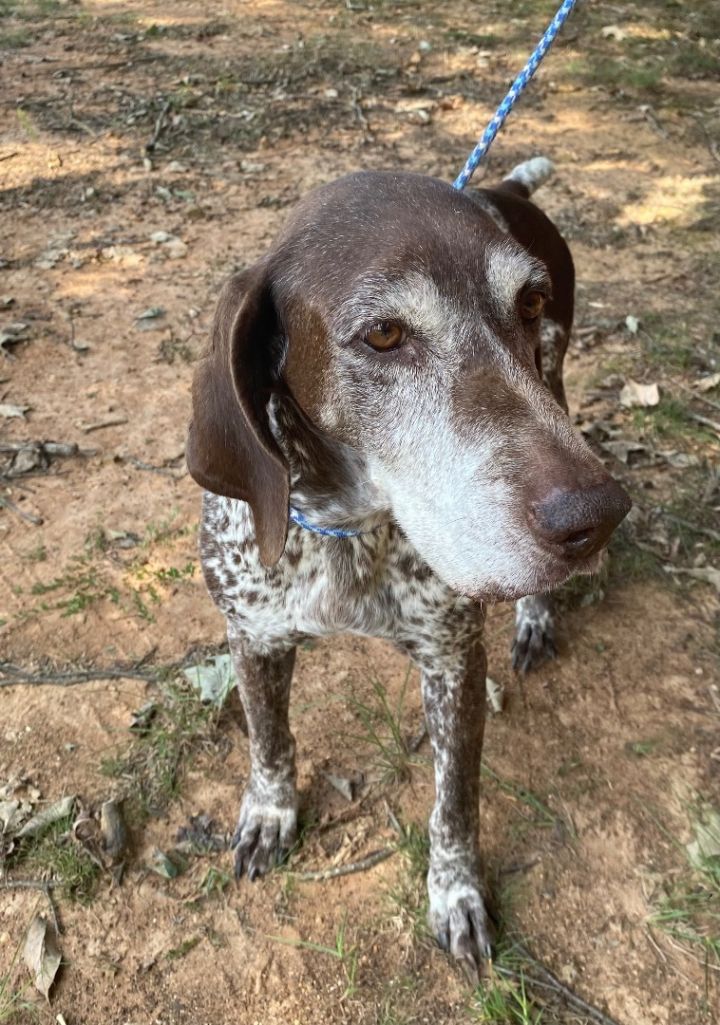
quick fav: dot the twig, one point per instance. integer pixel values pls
(8, 504)
(697, 396)
(345, 870)
(9, 156)
(12, 676)
(417, 740)
(150, 146)
(164, 471)
(712, 424)
(98, 425)
(712, 145)
(567, 994)
(46, 885)
(714, 535)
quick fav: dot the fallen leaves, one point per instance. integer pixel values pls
(9, 410)
(706, 384)
(41, 954)
(704, 850)
(214, 679)
(12, 334)
(635, 394)
(708, 574)
(173, 247)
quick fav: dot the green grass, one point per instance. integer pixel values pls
(616, 74)
(688, 909)
(215, 882)
(151, 768)
(541, 815)
(383, 732)
(15, 40)
(176, 953)
(346, 953)
(13, 1000)
(55, 854)
(408, 896)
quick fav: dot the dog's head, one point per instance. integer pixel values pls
(405, 324)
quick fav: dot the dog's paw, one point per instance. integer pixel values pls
(265, 834)
(460, 923)
(534, 641)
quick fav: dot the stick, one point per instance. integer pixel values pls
(11, 676)
(712, 424)
(150, 146)
(164, 471)
(571, 998)
(7, 503)
(115, 421)
(714, 535)
(46, 885)
(345, 870)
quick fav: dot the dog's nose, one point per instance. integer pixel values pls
(580, 521)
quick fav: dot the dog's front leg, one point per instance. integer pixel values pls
(267, 826)
(454, 700)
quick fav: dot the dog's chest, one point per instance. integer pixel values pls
(374, 584)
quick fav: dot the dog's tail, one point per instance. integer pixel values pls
(528, 176)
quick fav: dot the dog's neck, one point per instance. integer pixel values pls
(329, 481)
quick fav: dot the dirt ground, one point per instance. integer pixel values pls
(149, 148)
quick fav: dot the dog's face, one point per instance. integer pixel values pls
(406, 325)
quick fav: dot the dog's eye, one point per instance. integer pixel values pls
(532, 303)
(385, 336)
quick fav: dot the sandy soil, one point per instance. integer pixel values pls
(246, 105)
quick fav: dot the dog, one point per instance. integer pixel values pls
(381, 432)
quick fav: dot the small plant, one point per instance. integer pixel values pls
(541, 814)
(689, 907)
(409, 895)
(12, 998)
(214, 882)
(382, 731)
(151, 767)
(347, 955)
(54, 854)
(505, 1001)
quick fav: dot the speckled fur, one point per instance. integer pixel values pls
(447, 440)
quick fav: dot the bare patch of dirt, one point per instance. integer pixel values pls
(147, 151)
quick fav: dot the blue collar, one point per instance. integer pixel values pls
(297, 517)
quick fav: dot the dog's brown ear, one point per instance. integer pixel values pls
(230, 449)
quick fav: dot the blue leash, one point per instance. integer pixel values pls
(518, 87)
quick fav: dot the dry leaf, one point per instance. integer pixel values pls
(114, 831)
(343, 785)
(624, 450)
(57, 811)
(635, 394)
(7, 409)
(613, 32)
(708, 574)
(495, 694)
(214, 681)
(708, 383)
(41, 954)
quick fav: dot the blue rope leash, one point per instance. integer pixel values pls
(518, 87)
(297, 517)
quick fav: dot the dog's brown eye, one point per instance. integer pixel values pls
(532, 304)
(384, 336)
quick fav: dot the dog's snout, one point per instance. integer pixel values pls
(580, 521)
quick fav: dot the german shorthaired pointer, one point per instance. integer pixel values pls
(391, 371)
